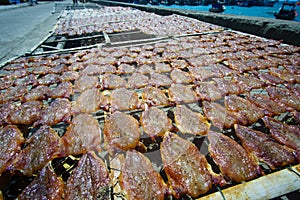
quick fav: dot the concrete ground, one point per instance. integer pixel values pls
(23, 27)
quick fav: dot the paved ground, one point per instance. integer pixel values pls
(23, 27)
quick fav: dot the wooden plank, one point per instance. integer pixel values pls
(40, 43)
(75, 39)
(61, 45)
(266, 187)
(201, 33)
(67, 50)
(92, 37)
(8, 61)
(130, 44)
(49, 47)
(124, 33)
(150, 40)
(107, 39)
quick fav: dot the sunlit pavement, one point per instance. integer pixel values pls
(24, 27)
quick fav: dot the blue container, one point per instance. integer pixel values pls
(14, 1)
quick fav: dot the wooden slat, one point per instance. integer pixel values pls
(141, 42)
(266, 187)
(76, 39)
(125, 33)
(61, 45)
(66, 50)
(92, 37)
(107, 39)
(7, 61)
(201, 33)
(49, 47)
(40, 43)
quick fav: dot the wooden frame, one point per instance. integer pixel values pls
(266, 187)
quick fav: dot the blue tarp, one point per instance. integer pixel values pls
(14, 1)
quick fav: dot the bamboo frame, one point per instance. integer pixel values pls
(39, 44)
(66, 50)
(49, 47)
(266, 187)
(106, 37)
(75, 39)
(140, 42)
(198, 34)
(8, 61)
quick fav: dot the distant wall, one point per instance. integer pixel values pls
(287, 31)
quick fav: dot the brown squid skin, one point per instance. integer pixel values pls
(47, 185)
(234, 161)
(121, 132)
(155, 122)
(11, 141)
(90, 101)
(42, 147)
(58, 111)
(186, 168)
(263, 148)
(153, 96)
(285, 97)
(89, 180)
(218, 115)
(140, 180)
(245, 112)
(180, 93)
(188, 121)
(288, 135)
(82, 135)
(85, 82)
(27, 113)
(123, 99)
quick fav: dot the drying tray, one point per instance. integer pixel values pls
(274, 184)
